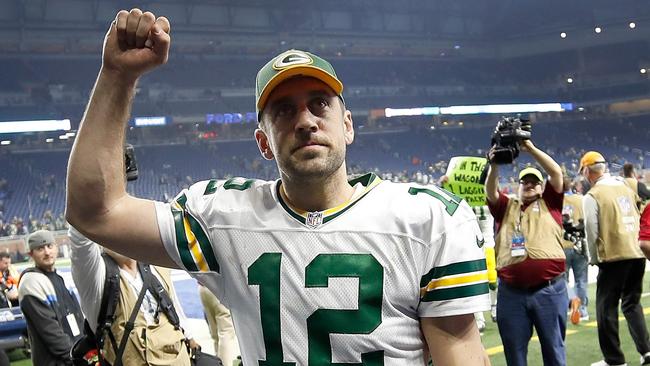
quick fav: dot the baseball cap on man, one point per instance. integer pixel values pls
(39, 238)
(290, 64)
(531, 171)
(591, 158)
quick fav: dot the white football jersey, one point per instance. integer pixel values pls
(485, 223)
(345, 286)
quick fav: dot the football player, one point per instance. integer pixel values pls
(317, 268)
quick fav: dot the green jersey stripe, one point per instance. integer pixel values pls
(181, 241)
(204, 243)
(451, 293)
(286, 207)
(182, 200)
(211, 187)
(453, 269)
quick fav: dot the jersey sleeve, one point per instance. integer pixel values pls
(456, 278)
(184, 230)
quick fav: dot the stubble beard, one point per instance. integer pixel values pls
(312, 167)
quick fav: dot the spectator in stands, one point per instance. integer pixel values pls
(21, 229)
(530, 260)
(575, 251)
(54, 318)
(612, 231)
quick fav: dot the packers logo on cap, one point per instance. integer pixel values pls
(292, 58)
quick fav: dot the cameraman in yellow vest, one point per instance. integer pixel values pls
(612, 231)
(530, 260)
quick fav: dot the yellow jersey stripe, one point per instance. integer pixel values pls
(455, 281)
(194, 247)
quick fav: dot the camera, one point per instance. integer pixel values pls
(130, 163)
(575, 233)
(509, 132)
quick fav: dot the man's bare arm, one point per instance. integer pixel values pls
(553, 169)
(492, 180)
(454, 340)
(97, 202)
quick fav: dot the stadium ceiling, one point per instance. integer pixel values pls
(352, 28)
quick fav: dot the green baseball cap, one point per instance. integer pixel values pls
(290, 64)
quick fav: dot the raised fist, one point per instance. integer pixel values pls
(135, 43)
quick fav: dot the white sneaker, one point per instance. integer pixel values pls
(603, 363)
(480, 323)
(645, 359)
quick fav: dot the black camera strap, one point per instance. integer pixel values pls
(128, 327)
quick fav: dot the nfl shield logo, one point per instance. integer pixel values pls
(314, 219)
(624, 204)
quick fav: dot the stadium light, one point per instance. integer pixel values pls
(569, 80)
(505, 108)
(563, 35)
(598, 30)
(425, 111)
(643, 70)
(34, 126)
(632, 25)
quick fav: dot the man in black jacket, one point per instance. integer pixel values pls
(54, 318)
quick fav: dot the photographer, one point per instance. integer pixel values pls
(530, 258)
(575, 249)
(612, 232)
(155, 338)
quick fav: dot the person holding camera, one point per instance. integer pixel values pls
(158, 336)
(612, 231)
(575, 249)
(530, 259)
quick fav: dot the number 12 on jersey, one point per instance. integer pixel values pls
(265, 273)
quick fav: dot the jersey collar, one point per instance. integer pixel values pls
(315, 219)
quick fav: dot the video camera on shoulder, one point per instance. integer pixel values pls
(508, 134)
(130, 163)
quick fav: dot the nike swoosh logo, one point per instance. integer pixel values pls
(480, 242)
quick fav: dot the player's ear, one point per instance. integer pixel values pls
(348, 127)
(263, 144)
